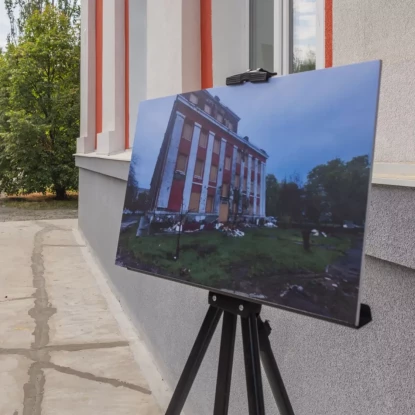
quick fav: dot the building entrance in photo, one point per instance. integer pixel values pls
(223, 212)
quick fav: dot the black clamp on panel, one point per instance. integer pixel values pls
(251, 75)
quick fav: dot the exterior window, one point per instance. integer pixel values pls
(253, 165)
(227, 163)
(304, 35)
(229, 124)
(193, 98)
(213, 173)
(181, 163)
(203, 139)
(261, 16)
(244, 186)
(216, 147)
(238, 157)
(187, 132)
(199, 169)
(194, 202)
(219, 117)
(209, 204)
(225, 190)
(237, 181)
(208, 109)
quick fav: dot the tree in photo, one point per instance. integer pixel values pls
(39, 119)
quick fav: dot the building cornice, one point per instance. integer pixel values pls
(248, 144)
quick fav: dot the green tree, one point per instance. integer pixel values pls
(340, 189)
(41, 121)
(19, 11)
(271, 195)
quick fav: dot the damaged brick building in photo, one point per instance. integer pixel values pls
(204, 168)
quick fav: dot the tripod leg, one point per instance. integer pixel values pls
(272, 371)
(194, 361)
(227, 346)
(252, 365)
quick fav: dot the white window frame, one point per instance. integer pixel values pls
(283, 35)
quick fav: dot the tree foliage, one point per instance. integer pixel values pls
(39, 100)
(335, 192)
(19, 12)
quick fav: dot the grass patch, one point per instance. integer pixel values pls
(210, 258)
(40, 202)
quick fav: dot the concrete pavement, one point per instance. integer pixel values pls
(63, 350)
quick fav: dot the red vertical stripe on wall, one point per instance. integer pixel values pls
(329, 33)
(98, 78)
(206, 43)
(127, 73)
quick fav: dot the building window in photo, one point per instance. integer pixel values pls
(208, 109)
(203, 140)
(216, 147)
(213, 173)
(219, 117)
(193, 98)
(199, 169)
(227, 163)
(181, 164)
(225, 190)
(209, 204)
(238, 157)
(237, 181)
(187, 132)
(245, 184)
(194, 202)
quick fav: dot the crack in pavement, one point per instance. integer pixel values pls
(40, 312)
(40, 349)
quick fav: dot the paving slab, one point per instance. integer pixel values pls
(61, 348)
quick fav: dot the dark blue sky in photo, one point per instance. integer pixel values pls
(300, 120)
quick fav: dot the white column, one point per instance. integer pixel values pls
(190, 171)
(241, 183)
(138, 60)
(248, 179)
(256, 161)
(173, 41)
(86, 141)
(220, 174)
(206, 173)
(171, 160)
(263, 189)
(112, 138)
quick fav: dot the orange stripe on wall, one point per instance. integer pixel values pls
(329, 33)
(206, 43)
(127, 73)
(98, 79)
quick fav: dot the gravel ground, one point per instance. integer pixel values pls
(8, 214)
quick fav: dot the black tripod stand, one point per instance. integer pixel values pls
(256, 347)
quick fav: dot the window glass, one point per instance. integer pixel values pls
(219, 117)
(238, 157)
(208, 109)
(225, 190)
(227, 163)
(181, 163)
(194, 99)
(199, 169)
(203, 139)
(213, 173)
(209, 204)
(237, 181)
(216, 147)
(261, 22)
(304, 35)
(194, 202)
(187, 132)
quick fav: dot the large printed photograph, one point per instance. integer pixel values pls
(257, 191)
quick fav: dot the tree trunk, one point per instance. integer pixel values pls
(60, 193)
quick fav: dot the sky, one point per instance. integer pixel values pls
(4, 25)
(300, 120)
